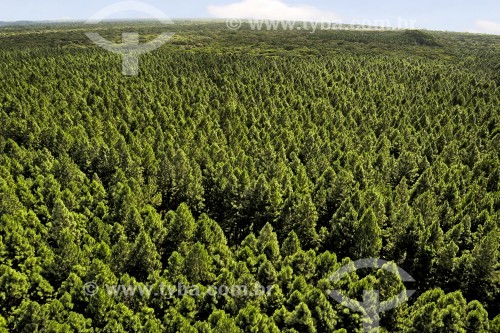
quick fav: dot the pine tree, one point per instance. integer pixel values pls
(367, 240)
(198, 265)
(144, 258)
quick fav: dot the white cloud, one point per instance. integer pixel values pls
(271, 10)
(489, 27)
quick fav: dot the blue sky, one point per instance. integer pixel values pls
(473, 16)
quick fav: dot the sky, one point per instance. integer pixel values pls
(480, 16)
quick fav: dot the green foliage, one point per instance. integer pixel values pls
(249, 158)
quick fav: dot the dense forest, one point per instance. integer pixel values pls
(247, 158)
